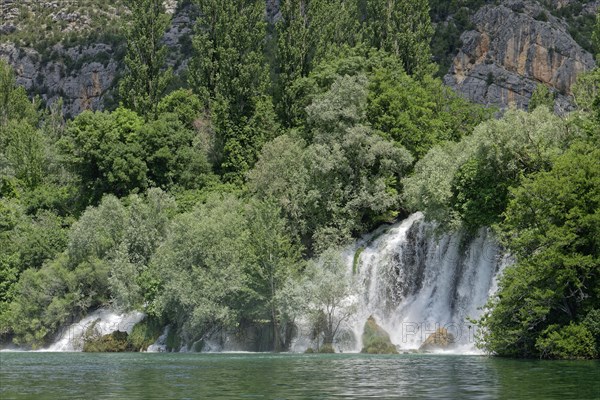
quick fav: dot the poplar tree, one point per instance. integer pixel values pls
(401, 27)
(229, 72)
(306, 33)
(145, 78)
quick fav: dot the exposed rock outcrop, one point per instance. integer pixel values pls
(441, 339)
(84, 75)
(376, 340)
(510, 52)
(515, 46)
(83, 87)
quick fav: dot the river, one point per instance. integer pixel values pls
(291, 376)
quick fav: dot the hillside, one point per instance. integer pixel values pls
(494, 53)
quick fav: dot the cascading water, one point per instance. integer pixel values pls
(414, 282)
(102, 321)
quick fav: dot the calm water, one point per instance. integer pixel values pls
(267, 376)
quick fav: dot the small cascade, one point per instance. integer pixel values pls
(415, 283)
(160, 345)
(102, 321)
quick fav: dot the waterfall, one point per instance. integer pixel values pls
(160, 345)
(102, 321)
(414, 281)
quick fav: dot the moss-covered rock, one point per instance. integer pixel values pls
(327, 348)
(112, 343)
(441, 339)
(376, 340)
(144, 334)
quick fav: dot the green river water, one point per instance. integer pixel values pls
(291, 376)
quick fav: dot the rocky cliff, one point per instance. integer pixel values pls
(61, 49)
(514, 47)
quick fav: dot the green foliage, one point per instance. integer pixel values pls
(222, 263)
(571, 341)
(467, 182)
(173, 154)
(541, 97)
(340, 183)
(307, 32)
(418, 114)
(230, 74)
(201, 266)
(328, 289)
(23, 149)
(106, 255)
(376, 340)
(414, 113)
(120, 154)
(551, 226)
(185, 104)
(103, 150)
(276, 260)
(402, 28)
(144, 334)
(115, 342)
(145, 79)
(14, 103)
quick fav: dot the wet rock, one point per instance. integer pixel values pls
(441, 339)
(376, 340)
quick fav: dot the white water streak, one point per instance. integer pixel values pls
(106, 321)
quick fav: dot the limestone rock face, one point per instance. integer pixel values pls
(441, 339)
(84, 75)
(84, 87)
(510, 52)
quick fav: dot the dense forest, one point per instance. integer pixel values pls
(221, 201)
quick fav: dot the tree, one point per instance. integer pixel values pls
(402, 28)
(229, 73)
(306, 33)
(344, 181)
(330, 292)
(551, 225)
(541, 97)
(201, 267)
(23, 148)
(14, 103)
(467, 182)
(103, 149)
(145, 78)
(172, 154)
(105, 260)
(277, 261)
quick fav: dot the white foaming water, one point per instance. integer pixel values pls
(103, 321)
(414, 282)
(160, 345)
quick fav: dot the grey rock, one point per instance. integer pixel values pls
(510, 52)
(84, 88)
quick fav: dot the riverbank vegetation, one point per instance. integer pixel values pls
(222, 203)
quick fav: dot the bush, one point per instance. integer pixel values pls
(573, 341)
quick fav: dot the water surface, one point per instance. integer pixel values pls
(291, 376)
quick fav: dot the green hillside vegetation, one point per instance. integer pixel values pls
(223, 205)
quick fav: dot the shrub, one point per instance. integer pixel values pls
(572, 341)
